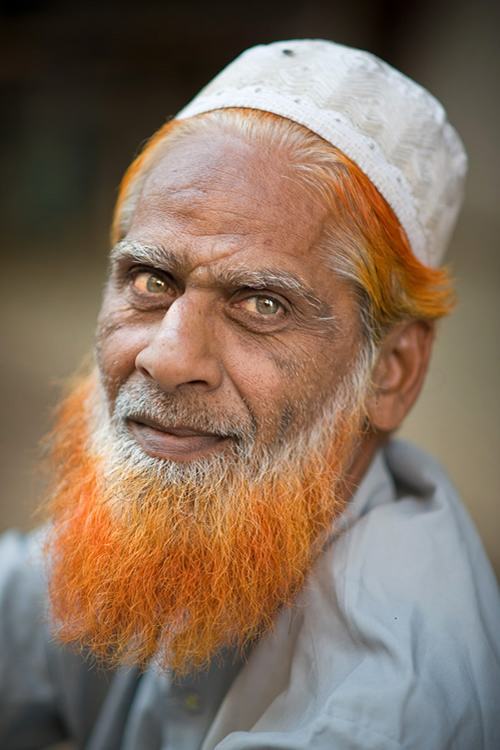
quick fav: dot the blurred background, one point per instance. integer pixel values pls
(83, 84)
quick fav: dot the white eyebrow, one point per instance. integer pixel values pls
(139, 252)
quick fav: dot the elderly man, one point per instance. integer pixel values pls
(231, 533)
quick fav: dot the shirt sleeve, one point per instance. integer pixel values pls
(29, 715)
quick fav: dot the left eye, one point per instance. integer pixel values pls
(150, 283)
(263, 305)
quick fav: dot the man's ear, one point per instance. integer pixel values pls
(399, 373)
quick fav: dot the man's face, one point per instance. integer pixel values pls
(221, 300)
(225, 347)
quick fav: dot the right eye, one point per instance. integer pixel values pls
(149, 282)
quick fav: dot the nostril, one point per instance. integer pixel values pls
(141, 366)
(144, 371)
(203, 383)
(173, 370)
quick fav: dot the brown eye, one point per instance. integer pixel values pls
(154, 284)
(150, 283)
(267, 305)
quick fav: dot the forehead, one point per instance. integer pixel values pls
(220, 201)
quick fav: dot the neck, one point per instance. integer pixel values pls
(359, 464)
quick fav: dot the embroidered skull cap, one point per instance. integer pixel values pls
(391, 127)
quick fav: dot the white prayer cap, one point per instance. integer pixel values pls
(391, 127)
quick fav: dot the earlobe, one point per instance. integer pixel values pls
(399, 373)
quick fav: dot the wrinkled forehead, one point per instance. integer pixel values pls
(221, 186)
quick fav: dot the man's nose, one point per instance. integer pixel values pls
(181, 350)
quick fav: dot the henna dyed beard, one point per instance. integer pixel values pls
(155, 561)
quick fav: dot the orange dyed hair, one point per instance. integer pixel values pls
(364, 241)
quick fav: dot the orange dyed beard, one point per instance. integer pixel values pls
(142, 569)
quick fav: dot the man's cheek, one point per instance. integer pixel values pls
(271, 387)
(117, 348)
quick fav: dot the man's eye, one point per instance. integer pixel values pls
(262, 305)
(150, 283)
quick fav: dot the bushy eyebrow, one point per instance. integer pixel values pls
(151, 255)
(237, 277)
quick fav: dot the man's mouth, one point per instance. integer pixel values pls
(179, 443)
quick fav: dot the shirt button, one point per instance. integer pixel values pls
(192, 702)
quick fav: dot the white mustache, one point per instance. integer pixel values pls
(147, 401)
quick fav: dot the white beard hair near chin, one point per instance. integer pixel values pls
(110, 437)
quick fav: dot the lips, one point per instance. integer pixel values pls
(173, 443)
